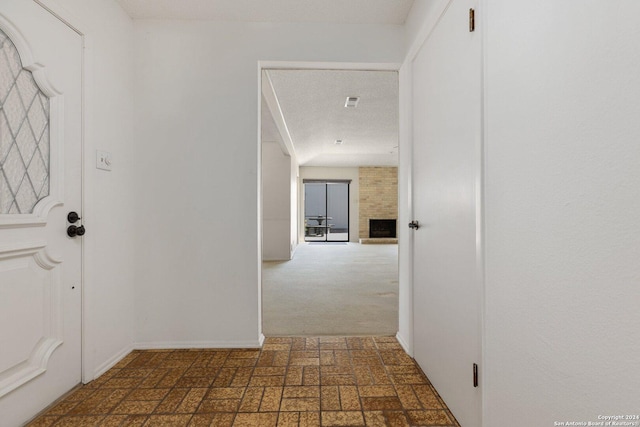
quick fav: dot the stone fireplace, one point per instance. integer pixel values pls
(378, 189)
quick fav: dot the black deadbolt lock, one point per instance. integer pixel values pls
(73, 217)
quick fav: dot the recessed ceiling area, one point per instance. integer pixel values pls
(392, 12)
(312, 103)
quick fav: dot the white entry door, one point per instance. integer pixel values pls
(446, 161)
(40, 183)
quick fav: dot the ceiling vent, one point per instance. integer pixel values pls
(352, 102)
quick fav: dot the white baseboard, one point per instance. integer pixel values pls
(161, 345)
(407, 348)
(293, 252)
(112, 361)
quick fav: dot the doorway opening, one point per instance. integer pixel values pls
(327, 168)
(326, 211)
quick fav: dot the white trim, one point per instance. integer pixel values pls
(356, 66)
(481, 208)
(295, 247)
(404, 344)
(112, 361)
(296, 65)
(271, 99)
(63, 14)
(275, 259)
(427, 29)
(88, 186)
(259, 187)
(168, 345)
(405, 169)
(74, 23)
(21, 249)
(88, 192)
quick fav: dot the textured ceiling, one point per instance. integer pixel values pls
(334, 11)
(312, 103)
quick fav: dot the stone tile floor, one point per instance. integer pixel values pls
(352, 381)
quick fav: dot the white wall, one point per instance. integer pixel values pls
(315, 172)
(293, 188)
(109, 196)
(562, 211)
(276, 203)
(196, 84)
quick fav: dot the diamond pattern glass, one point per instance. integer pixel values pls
(24, 135)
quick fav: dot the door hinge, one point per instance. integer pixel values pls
(475, 375)
(472, 20)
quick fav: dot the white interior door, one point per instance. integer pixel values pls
(40, 182)
(446, 160)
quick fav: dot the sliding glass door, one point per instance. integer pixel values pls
(326, 211)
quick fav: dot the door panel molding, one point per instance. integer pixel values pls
(56, 133)
(41, 288)
(18, 369)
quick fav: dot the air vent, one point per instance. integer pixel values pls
(338, 142)
(352, 102)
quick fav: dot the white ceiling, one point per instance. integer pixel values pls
(334, 11)
(312, 103)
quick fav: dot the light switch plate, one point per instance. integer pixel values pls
(103, 160)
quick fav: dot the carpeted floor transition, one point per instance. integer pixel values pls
(328, 381)
(327, 289)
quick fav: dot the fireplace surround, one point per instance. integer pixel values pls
(382, 228)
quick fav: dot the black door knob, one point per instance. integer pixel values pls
(73, 217)
(73, 231)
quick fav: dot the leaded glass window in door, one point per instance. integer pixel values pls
(24, 135)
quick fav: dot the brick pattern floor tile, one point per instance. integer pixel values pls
(297, 381)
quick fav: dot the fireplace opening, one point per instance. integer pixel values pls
(382, 228)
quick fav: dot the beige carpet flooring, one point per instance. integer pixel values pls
(332, 289)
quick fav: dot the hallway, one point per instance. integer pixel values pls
(353, 381)
(517, 167)
(332, 289)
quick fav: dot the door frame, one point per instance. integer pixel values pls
(351, 66)
(87, 184)
(422, 34)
